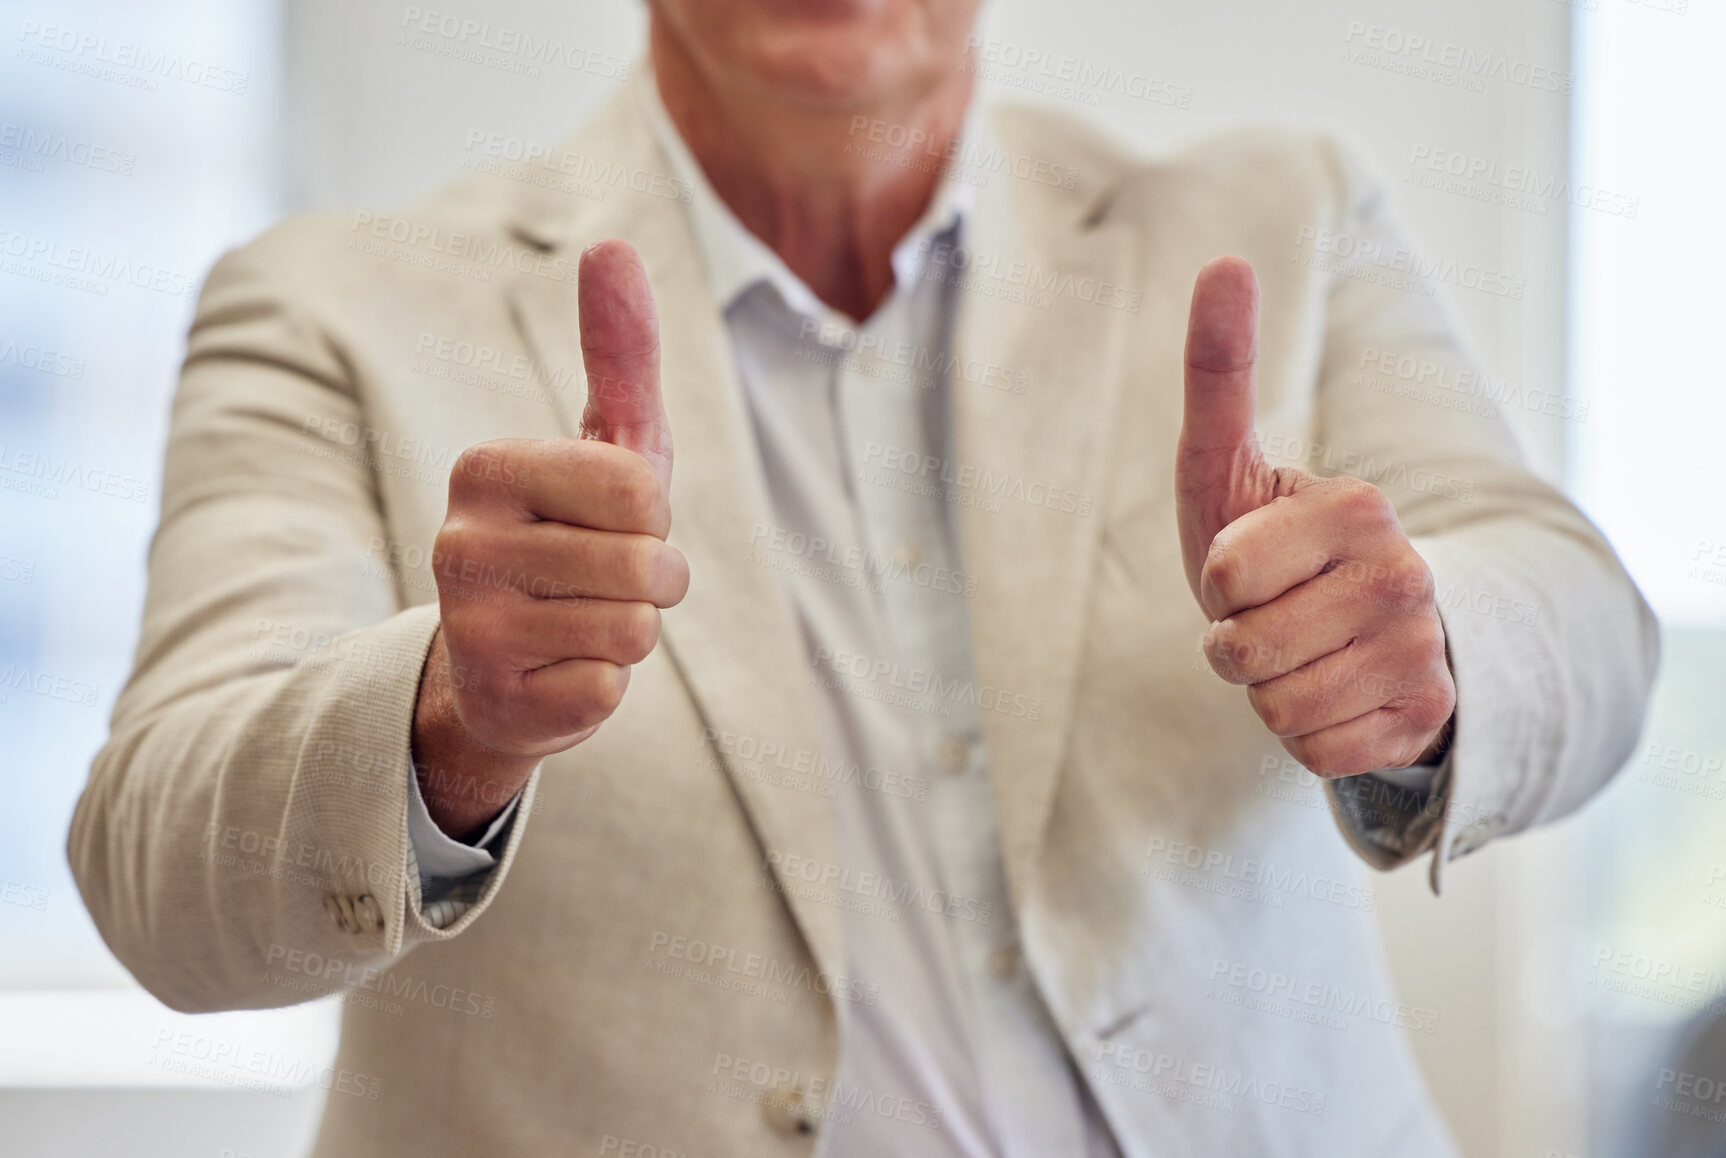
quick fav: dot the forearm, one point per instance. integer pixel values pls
(235, 828)
(1554, 652)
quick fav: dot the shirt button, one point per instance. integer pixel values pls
(790, 1112)
(1004, 961)
(953, 753)
(341, 911)
(905, 553)
(366, 911)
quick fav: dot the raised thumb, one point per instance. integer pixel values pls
(620, 351)
(1217, 461)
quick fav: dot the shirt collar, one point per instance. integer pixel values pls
(736, 260)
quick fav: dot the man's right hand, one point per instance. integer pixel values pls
(552, 567)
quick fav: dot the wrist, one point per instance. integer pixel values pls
(464, 783)
(1439, 748)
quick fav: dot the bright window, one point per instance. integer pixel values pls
(1648, 972)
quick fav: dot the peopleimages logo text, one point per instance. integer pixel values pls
(1459, 58)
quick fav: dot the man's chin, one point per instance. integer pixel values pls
(855, 13)
(829, 72)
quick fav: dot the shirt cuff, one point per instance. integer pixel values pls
(1415, 778)
(1392, 816)
(440, 856)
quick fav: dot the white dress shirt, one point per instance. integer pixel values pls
(957, 1038)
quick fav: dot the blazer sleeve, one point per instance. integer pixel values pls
(242, 840)
(1552, 647)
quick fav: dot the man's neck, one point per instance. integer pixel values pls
(834, 207)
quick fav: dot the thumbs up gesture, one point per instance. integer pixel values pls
(551, 567)
(1319, 605)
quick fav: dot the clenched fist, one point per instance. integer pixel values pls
(1319, 604)
(553, 567)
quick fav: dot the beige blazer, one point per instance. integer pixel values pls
(640, 970)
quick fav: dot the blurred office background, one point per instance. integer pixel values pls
(1574, 970)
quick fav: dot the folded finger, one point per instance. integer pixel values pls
(545, 632)
(553, 560)
(1331, 690)
(1298, 627)
(1288, 541)
(1371, 742)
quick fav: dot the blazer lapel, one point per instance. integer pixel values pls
(735, 639)
(1036, 560)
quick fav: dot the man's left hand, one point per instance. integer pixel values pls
(1319, 604)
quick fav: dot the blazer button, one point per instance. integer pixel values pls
(366, 911)
(789, 1112)
(1476, 836)
(341, 911)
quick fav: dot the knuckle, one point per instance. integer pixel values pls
(638, 631)
(1238, 658)
(1364, 503)
(1409, 581)
(1400, 584)
(609, 682)
(1225, 568)
(451, 542)
(636, 495)
(1306, 753)
(1428, 650)
(475, 469)
(1275, 709)
(1219, 647)
(462, 546)
(1429, 707)
(640, 565)
(1411, 753)
(567, 707)
(455, 537)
